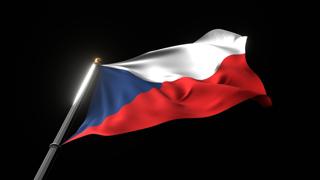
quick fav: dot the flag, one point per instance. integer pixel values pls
(193, 80)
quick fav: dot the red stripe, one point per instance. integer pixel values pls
(233, 83)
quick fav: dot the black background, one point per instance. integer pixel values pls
(58, 44)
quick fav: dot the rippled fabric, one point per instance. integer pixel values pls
(198, 60)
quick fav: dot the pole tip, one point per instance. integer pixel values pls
(97, 61)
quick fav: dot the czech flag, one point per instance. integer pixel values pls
(194, 80)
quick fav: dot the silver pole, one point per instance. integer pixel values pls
(57, 141)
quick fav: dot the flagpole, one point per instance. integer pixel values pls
(53, 147)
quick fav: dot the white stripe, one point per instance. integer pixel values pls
(198, 60)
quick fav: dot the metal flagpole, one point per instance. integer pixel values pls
(57, 141)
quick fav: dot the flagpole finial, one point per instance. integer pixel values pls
(97, 61)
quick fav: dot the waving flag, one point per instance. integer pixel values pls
(193, 80)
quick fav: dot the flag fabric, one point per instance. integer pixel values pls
(193, 80)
